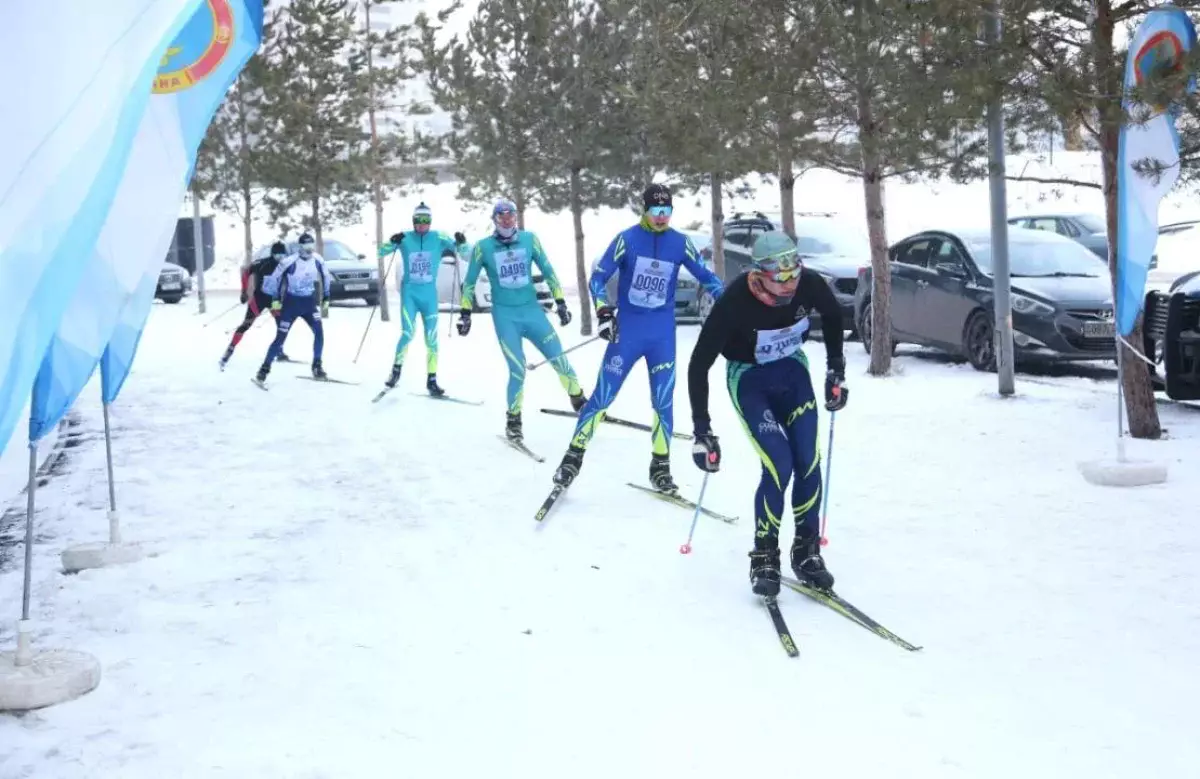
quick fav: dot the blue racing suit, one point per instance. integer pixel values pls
(300, 290)
(420, 258)
(648, 261)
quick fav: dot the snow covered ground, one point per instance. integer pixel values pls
(344, 589)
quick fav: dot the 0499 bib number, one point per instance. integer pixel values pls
(513, 268)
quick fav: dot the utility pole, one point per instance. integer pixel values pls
(1002, 284)
(376, 175)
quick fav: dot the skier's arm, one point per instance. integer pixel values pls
(543, 262)
(814, 293)
(609, 264)
(326, 282)
(713, 336)
(707, 279)
(473, 268)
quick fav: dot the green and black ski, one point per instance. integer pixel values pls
(676, 499)
(614, 420)
(848, 610)
(781, 628)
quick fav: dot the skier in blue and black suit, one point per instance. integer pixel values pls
(647, 256)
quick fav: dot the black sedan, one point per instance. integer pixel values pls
(1062, 302)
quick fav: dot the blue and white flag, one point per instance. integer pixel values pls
(1161, 44)
(195, 73)
(72, 99)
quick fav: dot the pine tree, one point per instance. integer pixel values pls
(319, 165)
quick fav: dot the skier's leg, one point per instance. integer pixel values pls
(283, 324)
(798, 413)
(427, 304)
(252, 312)
(541, 333)
(660, 366)
(312, 316)
(619, 357)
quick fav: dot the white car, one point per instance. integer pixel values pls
(452, 273)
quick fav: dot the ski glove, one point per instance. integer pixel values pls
(606, 316)
(275, 307)
(396, 239)
(706, 452)
(564, 315)
(325, 309)
(464, 321)
(459, 238)
(836, 391)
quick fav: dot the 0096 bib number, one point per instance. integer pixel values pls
(776, 344)
(651, 282)
(513, 268)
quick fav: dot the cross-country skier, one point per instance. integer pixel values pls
(759, 325)
(303, 293)
(508, 256)
(420, 255)
(257, 288)
(648, 257)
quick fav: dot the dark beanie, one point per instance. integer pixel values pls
(656, 195)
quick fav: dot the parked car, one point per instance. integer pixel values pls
(353, 276)
(452, 275)
(1172, 336)
(827, 244)
(1089, 230)
(173, 283)
(692, 302)
(1062, 303)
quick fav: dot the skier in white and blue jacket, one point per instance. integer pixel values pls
(300, 290)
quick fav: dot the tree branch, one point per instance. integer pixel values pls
(1069, 182)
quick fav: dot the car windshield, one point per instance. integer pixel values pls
(1040, 258)
(1093, 224)
(336, 250)
(829, 237)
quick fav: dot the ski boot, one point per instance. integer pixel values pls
(432, 385)
(578, 401)
(394, 378)
(284, 358)
(764, 571)
(809, 566)
(318, 372)
(260, 378)
(660, 474)
(225, 357)
(568, 469)
(512, 427)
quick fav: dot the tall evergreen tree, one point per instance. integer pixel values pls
(319, 164)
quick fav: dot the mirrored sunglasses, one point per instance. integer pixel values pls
(660, 210)
(782, 267)
(422, 220)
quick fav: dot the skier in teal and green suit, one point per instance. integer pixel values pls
(508, 256)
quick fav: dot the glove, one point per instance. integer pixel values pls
(836, 392)
(606, 316)
(396, 239)
(459, 238)
(564, 315)
(706, 452)
(324, 309)
(464, 321)
(276, 307)
(244, 297)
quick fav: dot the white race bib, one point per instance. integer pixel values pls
(420, 267)
(512, 265)
(651, 281)
(776, 344)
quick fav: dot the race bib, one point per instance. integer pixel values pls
(776, 344)
(512, 265)
(420, 267)
(651, 281)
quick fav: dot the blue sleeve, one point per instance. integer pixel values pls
(609, 264)
(538, 254)
(468, 290)
(707, 279)
(327, 278)
(283, 281)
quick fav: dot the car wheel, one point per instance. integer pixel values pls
(864, 327)
(173, 299)
(704, 305)
(979, 342)
(372, 300)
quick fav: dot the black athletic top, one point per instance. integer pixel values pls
(261, 268)
(744, 329)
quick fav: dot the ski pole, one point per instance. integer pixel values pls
(457, 281)
(580, 345)
(687, 545)
(367, 329)
(828, 472)
(222, 314)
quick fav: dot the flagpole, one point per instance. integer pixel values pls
(1120, 401)
(114, 527)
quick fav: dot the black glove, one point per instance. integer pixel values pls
(706, 452)
(606, 316)
(244, 297)
(396, 239)
(464, 321)
(836, 391)
(459, 238)
(564, 316)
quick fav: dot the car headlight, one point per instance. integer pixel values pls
(1026, 305)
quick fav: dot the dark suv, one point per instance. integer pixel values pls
(1172, 337)
(827, 245)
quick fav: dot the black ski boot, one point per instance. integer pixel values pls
(568, 469)
(764, 571)
(809, 566)
(660, 474)
(318, 372)
(578, 401)
(394, 378)
(512, 427)
(432, 385)
(260, 378)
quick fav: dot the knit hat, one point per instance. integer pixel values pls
(656, 195)
(422, 210)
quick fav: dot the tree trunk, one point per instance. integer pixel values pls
(787, 187)
(376, 183)
(718, 223)
(581, 269)
(318, 233)
(245, 180)
(1072, 133)
(1140, 407)
(519, 202)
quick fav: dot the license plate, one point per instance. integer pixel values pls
(357, 287)
(171, 287)
(1099, 330)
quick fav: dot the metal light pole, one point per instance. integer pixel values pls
(1002, 285)
(198, 249)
